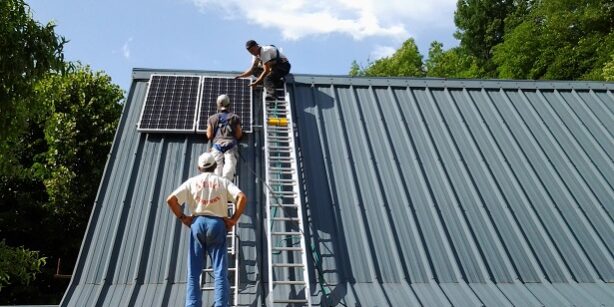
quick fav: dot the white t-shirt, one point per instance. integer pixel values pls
(207, 194)
(268, 53)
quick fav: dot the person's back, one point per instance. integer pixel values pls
(224, 129)
(207, 196)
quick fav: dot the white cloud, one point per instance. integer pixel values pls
(126, 48)
(356, 18)
(382, 52)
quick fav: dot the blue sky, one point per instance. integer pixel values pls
(318, 36)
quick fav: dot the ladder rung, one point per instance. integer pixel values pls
(283, 193)
(287, 249)
(211, 270)
(284, 205)
(285, 233)
(280, 148)
(282, 180)
(288, 265)
(289, 282)
(285, 219)
(273, 168)
(213, 288)
(289, 301)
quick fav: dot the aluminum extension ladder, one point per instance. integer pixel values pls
(289, 282)
(207, 278)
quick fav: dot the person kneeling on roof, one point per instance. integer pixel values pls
(224, 128)
(268, 65)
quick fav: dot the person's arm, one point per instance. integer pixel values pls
(249, 71)
(209, 132)
(173, 203)
(241, 203)
(238, 132)
(265, 72)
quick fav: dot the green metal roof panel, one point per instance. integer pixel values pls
(417, 191)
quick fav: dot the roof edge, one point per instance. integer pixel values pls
(145, 73)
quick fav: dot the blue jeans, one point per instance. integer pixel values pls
(207, 234)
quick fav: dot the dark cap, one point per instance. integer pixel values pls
(250, 43)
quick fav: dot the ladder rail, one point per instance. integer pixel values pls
(281, 140)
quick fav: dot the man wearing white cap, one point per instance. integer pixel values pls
(207, 196)
(224, 128)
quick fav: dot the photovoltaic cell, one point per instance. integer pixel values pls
(240, 100)
(170, 104)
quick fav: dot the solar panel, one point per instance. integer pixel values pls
(170, 104)
(240, 100)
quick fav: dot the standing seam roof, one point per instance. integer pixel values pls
(417, 191)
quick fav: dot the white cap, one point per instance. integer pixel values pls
(206, 160)
(223, 101)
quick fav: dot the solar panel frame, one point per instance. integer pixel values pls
(171, 113)
(241, 98)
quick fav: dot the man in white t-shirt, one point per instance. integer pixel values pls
(207, 196)
(268, 65)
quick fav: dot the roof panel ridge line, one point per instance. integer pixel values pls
(475, 195)
(79, 270)
(141, 269)
(526, 245)
(392, 230)
(592, 115)
(482, 210)
(172, 269)
(601, 105)
(418, 238)
(602, 151)
(360, 211)
(455, 264)
(114, 247)
(563, 265)
(462, 170)
(584, 217)
(433, 211)
(531, 210)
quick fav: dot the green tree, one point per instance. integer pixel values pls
(481, 25)
(29, 51)
(63, 154)
(83, 109)
(356, 70)
(405, 62)
(18, 265)
(559, 39)
(608, 70)
(452, 63)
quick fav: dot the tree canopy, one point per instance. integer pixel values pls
(516, 39)
(57, 123)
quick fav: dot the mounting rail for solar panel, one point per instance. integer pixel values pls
(247, 127)
(195, 106)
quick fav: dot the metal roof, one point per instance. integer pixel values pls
(425, 192)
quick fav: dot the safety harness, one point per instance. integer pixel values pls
(223, 126)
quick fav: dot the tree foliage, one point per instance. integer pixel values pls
(517, 39)
(559, 39)
(18, 265)
(452, 63)
(29, 51)
(82, 111)
(405, 62)
(57, 122)
(62, 155)
(481, 26)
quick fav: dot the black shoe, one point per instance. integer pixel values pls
(270, 97)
